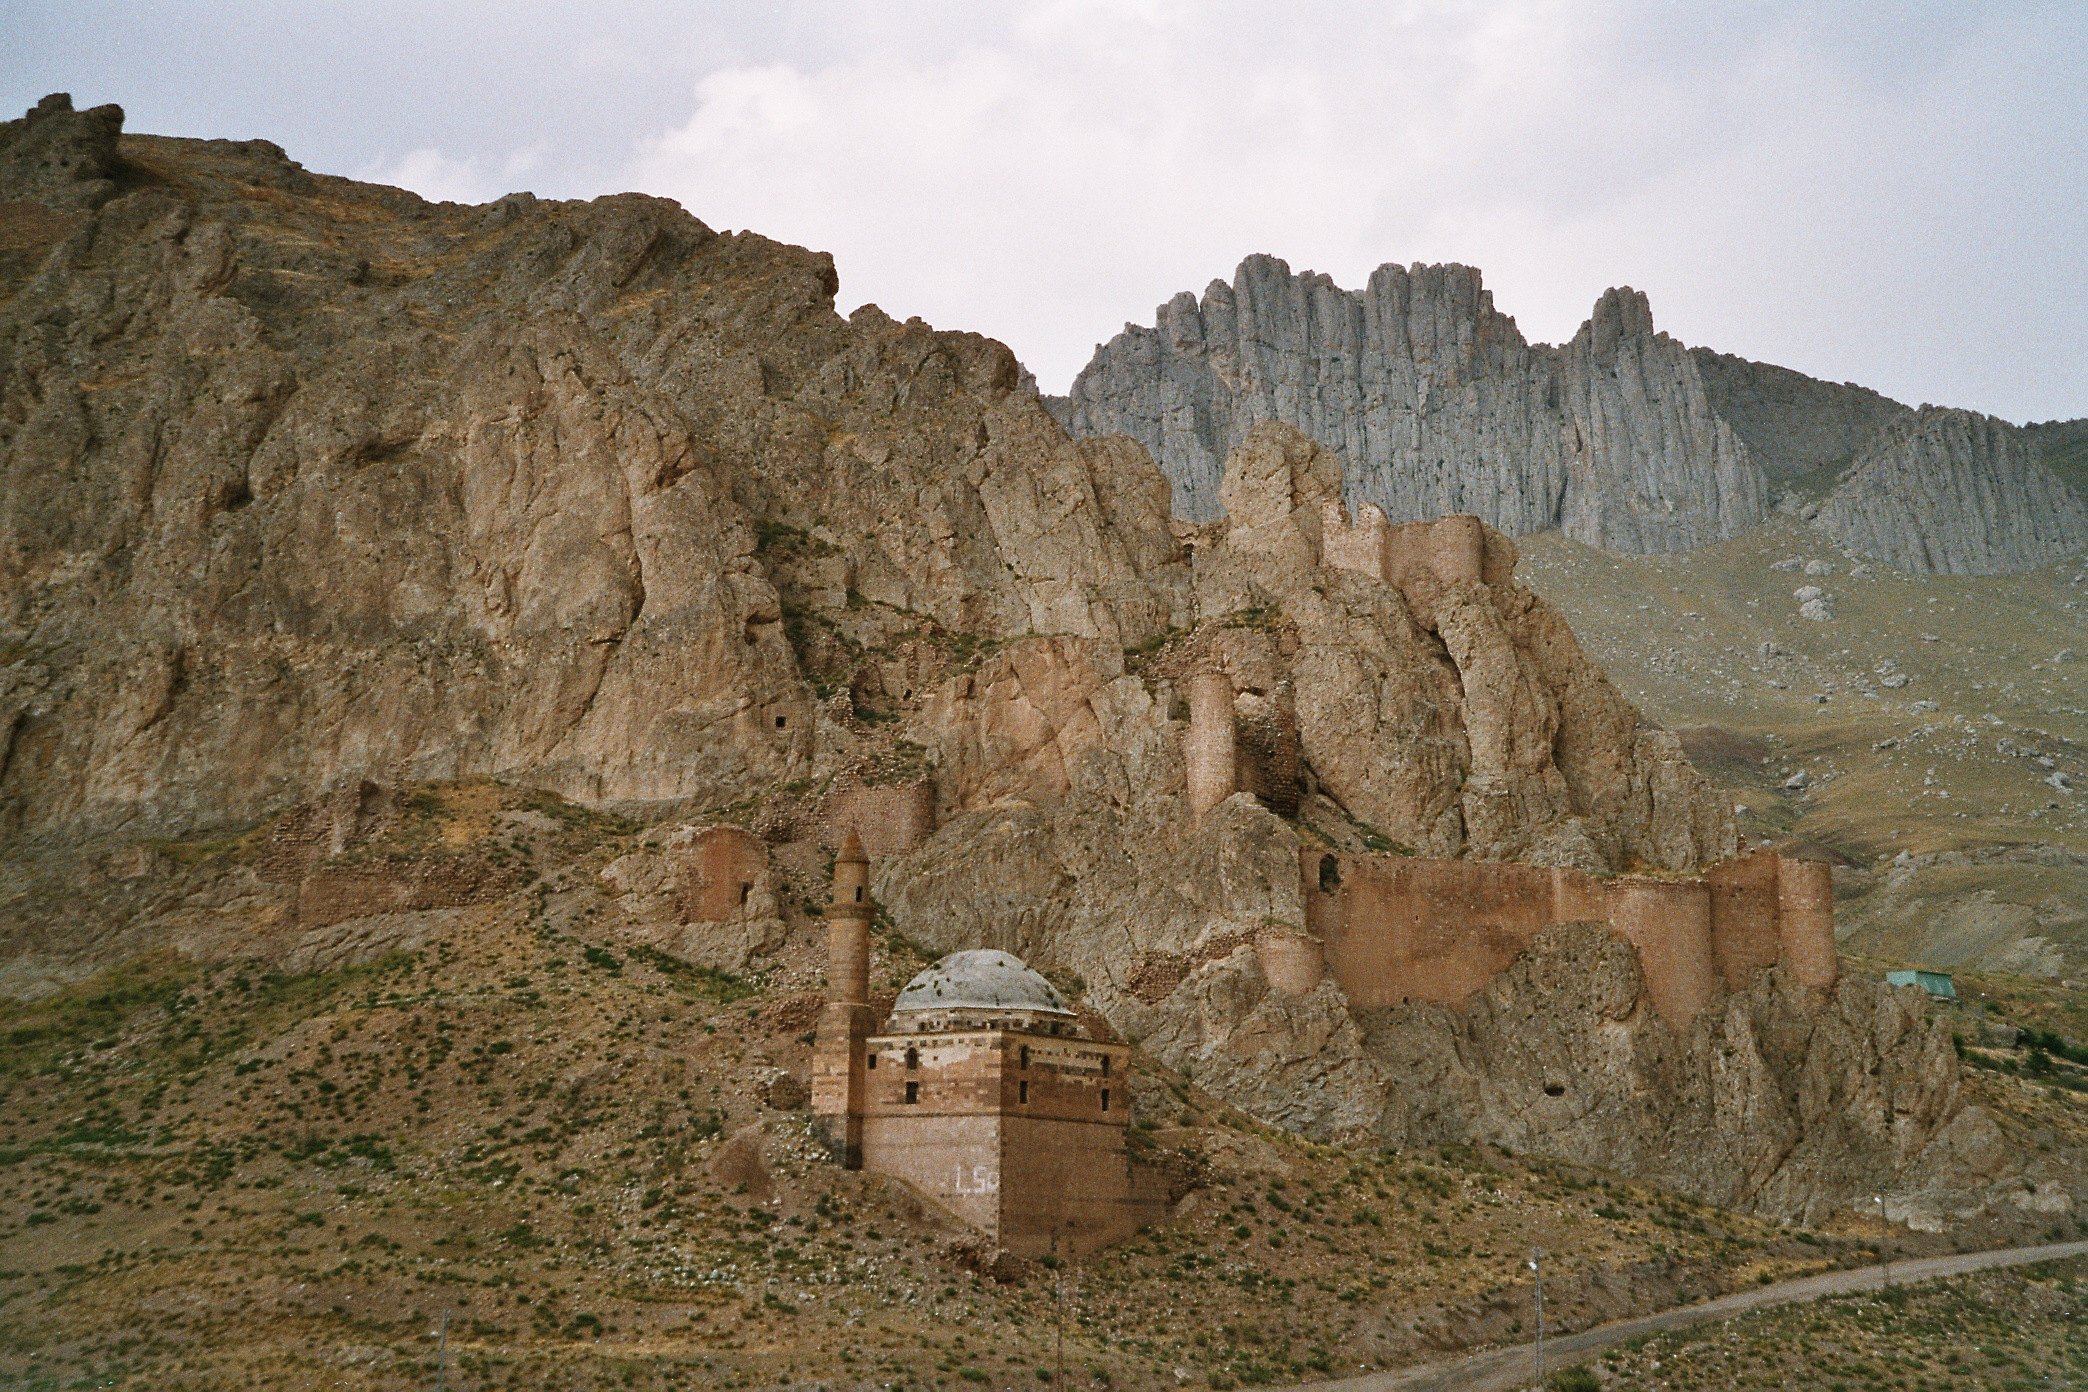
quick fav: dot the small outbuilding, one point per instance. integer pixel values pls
(1937, 984)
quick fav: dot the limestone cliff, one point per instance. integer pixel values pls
(1954, 492)
(1434, 402)
(1621, 437)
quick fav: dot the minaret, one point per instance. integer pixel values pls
(837, 1055)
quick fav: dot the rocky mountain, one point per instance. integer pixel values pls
(1622, 437)
(317, 493)
(1953, 492)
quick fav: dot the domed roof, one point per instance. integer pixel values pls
(981, 979)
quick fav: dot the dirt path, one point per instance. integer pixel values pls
(1501, 1369)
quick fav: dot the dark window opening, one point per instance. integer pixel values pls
(870, 1062)
(1025, 1059)
(779, 721)
(859, 894)
(1554, 1089)
(1329, 874)
(1022, 1093)
(913, 1092)
(913, 1060)
(1105, 1099)
(1105, 1065)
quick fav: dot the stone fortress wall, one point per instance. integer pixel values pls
(1393, 930)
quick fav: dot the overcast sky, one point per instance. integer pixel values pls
(1887, 193)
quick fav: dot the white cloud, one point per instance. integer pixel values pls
(1043, 171)
(440, 178)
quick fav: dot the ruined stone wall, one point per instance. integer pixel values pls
(890, 820)
(1400, 930)
(1805, 920)
(1669, 922)
(1744, 916)
(722, 867)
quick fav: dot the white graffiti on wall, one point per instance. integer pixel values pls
(984, 1179)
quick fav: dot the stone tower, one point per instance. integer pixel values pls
(1211, 750)
(845, 1022)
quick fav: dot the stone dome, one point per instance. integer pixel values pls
(982, 979)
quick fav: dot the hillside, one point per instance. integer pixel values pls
(444, 645)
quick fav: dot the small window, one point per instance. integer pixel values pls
(1025, 1059)
(1105, 1099)
(780, 721)
(1105, 1065)
(913, 1092)
(859, 894)
(1022, 1093)
(870, 1062)
(913, 1060)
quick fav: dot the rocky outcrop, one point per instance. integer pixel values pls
(1792, 1102)
(1793, 425)
(1434, 403)
(310, 482)
(1956, 493)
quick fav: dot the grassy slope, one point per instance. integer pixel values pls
(1961, 785)
(1990, 1331)
(220, 1177)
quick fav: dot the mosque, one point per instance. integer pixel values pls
(982, 1090)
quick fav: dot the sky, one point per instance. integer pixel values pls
(1894, 194)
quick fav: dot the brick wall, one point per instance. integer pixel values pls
(1400, 930)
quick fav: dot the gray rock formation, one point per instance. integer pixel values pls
(1623, 438)
(1434, 402)
(1957, 493)
(1793, 425)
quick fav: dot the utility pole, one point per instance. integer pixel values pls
(1884, 1261)
(1058, 1301)
(442, 1353)
(1537, 1257)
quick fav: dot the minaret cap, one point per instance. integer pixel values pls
(852, 848)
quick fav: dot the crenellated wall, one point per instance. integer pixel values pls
(1398, 930)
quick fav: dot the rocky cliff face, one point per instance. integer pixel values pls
(1623, 438)
(309, 482)
(315, 491)
(1955, 492)
(1434, 402)
(1793, 425)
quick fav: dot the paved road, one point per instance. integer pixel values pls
(1502, 1369)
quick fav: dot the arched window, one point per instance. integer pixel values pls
(1025, 1059)
(913, 1060)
